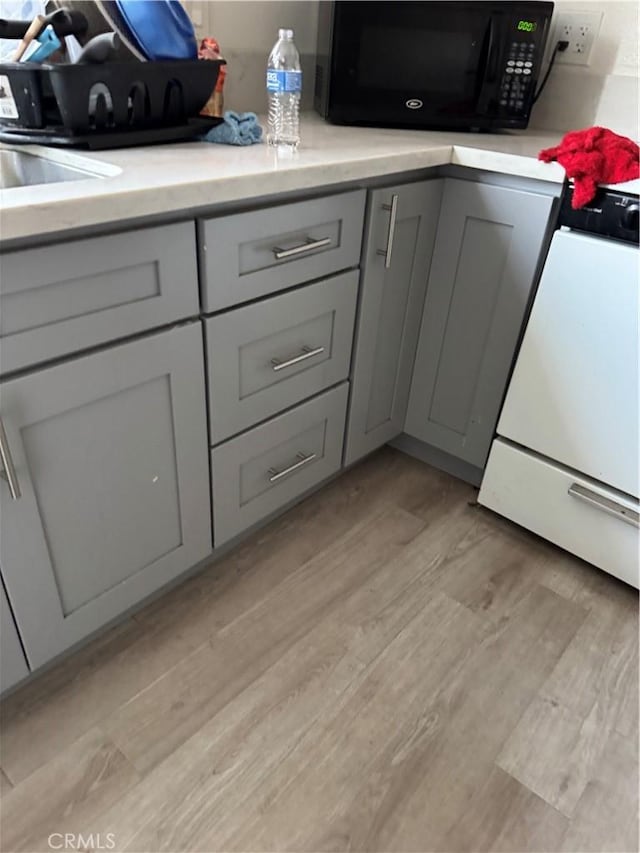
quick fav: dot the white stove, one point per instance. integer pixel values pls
(565, 462)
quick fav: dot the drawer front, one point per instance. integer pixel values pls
(60, 299)
(579, 514)
(258, 472)
(268, 356)
(253, 254)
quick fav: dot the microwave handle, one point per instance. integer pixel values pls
(489, 77)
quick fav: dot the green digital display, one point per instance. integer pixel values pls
(527, 26)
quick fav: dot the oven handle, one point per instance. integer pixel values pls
(489, 77)
(619, 510)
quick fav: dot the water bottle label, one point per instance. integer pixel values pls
(284, 81)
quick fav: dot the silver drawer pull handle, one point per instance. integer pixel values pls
(274, 475)
(9, 472)
(393, 213)
(308, 246)
(605, 504)
(306, 353)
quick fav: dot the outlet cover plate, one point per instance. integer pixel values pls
(580, 29)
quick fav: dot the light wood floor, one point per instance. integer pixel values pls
(386, 668)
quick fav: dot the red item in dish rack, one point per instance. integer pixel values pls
(210, 49)
(594, 156)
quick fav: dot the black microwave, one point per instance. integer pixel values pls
(463, 64)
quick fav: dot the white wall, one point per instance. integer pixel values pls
(605, 92)
(246, 31)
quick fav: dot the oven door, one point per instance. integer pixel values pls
(573, 396)
(410, 63)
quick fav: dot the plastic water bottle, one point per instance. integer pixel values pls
(284, 85)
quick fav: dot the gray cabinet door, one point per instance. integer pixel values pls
(484, 265)
(13, 666)
(399, 244)
(110, 453)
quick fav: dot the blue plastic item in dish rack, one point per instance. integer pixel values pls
(162, 28)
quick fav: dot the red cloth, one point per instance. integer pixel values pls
(594, 156)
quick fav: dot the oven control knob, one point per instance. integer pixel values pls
(630, 217)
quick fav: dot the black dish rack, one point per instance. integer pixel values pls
(106, 105)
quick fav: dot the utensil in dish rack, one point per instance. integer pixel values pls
(100, 21)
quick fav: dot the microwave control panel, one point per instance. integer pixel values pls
(515, 87)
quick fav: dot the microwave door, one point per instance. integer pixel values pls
(406, 62)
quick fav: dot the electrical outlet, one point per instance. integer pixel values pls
(580, 29)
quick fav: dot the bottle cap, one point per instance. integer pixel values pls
(285, 34)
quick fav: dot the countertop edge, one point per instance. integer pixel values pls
(143, 183)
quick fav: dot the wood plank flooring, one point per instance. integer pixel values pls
(386, 668)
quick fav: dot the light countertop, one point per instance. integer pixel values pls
(138, 182)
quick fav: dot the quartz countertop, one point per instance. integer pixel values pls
(164, 179)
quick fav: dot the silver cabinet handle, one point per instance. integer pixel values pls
(9, 472)
(605, 504)
(274, 475)
(306, 353)
(308, 246)
(393, 213)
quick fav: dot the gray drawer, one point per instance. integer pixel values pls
(253, 254)
(268, 356)
(262, 470)
(59, 299)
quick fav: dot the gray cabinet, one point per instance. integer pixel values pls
(266, 468)
(60, 299)
(270, 355)
(401, 228)
(110, 453)
(253, 254)
(13, 666)
(484, 265)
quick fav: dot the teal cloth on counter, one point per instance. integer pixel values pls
(236, 129)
